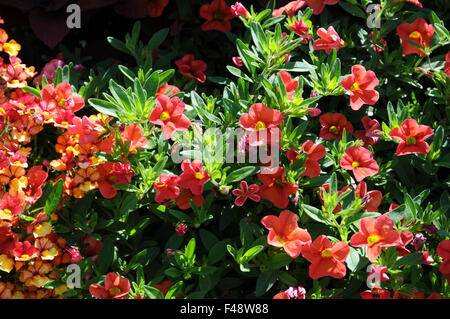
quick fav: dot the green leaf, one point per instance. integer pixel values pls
(353, 9)
(190, 250)
(33, 91)
(411, 259)
(252, 253)
(54, 199)
(105, 107)
(216, 253)
(208, 239)
(264, 282)
(173, 272)
(239, 73)
(158, 38)
(239, 174)
(314, 213)
(106, 256)
(153, 293)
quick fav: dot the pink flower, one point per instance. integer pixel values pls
(300, 28)
(237, 61)
(85, 128)
(181, 230)
(329, 40)
(246, 192)
(239, 10)
(360, 161)
(360, 85)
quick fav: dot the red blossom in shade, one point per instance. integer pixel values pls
(191, 68)
(371, 200)
(165, 88)
(326, 259)
(411, 137)
(193, 176)
(447, 64)
(275, 188)
(183, 201)
(87, 130)
(239, 10)
(8, 239)
(443, 250)
(289, 83)
(284, 232)
(360, 85)
(329, 40)
(318, 5)
(166, 188)
(133, 134)
(314, 152)
(405, 237)
(375, 233)
(237, 61)
(376, 293)
(25, 251)
(291, 8)
(333, 125)
(371, 133)
(217, 14)
(181, 230)
(246, 192)
(261, 118)
(116, 287)
(419, 32)
(168, 114)
(156, 7)
(300, 28)
(164, 286)
(379, 47)
(360, 161)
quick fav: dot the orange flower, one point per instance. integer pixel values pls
(275, 188)
(116, 287)
(326, 259)
(217, 15)
(375, 233)
(284, 232)
(360, 85)
(133, 134)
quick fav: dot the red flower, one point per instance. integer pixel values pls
(191, 68)
(116, 287)
(25, 251)
(315, 152)
(376, 293)
(260, 117)
(284, 232)
(360, 160)
(8, 239)
(113, 173)
(371, 200)
(416, 2)
(333, 125)
(239, 10)
(443, 250)
(427, 259)
(289, 83)
(275, 188)
(61, 96)
(237, 61)
(193, 176)
(181, 230)
(329, 40)
(318, 5)
(411, 137)
(183, 201)
(300, 28)
(291, 8)
(166, 188)
(156, 7)
(360, 85)
(246, 192)
(168, 114)
(164, 286)
(166, 88)
(405, 238)
(281, 295)
(381, 43)
(326, 259)
(372, 132)
(419, 32)
(87, 130)
(217, 15)
(447, 64)
(133, 134)
(375, 233)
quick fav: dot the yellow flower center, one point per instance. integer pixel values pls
(326, 253)
(260, 125)
(415, 35)
(218, 15)
(24, 256)
(114, 291)
(373, 239)
(198, 175)
(164, 116)
(161, 185)
(333, 129)
(410, 140)
(354, 87)
(62, 102)
(280, 240)
(355, 164)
